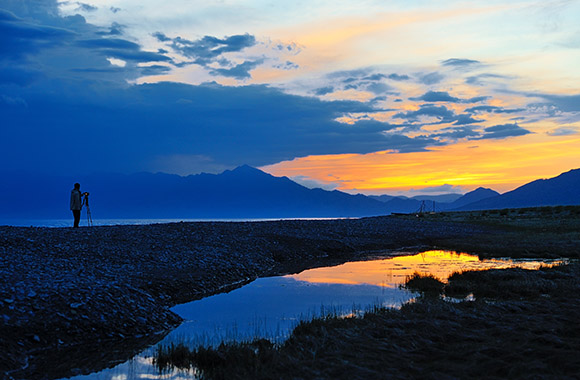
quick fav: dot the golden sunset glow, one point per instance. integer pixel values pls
(500, 165)
(393, 271)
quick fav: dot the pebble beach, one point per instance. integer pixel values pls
(77, 300)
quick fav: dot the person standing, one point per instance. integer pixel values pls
(76, 203)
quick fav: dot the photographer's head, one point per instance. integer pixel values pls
(77, 186)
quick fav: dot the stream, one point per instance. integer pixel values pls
(271, 307)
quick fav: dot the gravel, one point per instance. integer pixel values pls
(77, 300)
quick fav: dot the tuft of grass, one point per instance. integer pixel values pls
(426, 284)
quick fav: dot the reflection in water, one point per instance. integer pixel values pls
(271, 307)
(392, 272)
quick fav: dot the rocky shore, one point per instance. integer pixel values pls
(77, 300)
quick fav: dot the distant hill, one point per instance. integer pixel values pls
(473, 196)
(442, 198)
(561, 190)
(410, 205)
(244, 192)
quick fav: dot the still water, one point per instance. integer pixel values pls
(58, 223)
(271, 307)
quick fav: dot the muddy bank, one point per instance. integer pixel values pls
(523, 324)
(67, 294)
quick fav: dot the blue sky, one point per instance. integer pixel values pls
(365, 96)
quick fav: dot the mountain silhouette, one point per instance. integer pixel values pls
(473, 196)
(244, 192)
(561, 190)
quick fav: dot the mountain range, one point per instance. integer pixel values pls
(245, 192)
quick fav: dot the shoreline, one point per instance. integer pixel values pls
(113, 285)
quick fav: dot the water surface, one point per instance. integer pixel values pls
(271, 307)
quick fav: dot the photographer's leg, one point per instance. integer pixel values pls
(77, 217)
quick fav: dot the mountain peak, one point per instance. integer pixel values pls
(245, 170)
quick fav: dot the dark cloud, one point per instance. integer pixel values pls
(459, 62)
(155, 70)
(324, 90)
(240, 71)
(378, 88)
(465, 119)
(161, 37)
(122, 49)
(503, 131)
(208, 48)
(398, 77)
(108, 43)
(19, 38)
(566, 103)
(115, 30)
(442, 96)
(479, 80)
(130, 127)
(437, 96)
(491, 109)
(431, 78)
(440, 112)
(286, 66)
(456, 133)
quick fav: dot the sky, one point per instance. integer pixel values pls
(373, 97)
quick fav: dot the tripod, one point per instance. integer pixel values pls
(89, 217)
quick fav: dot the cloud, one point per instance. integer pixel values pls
(209, 48)
(456, 133)
(446, 188)
(480, 79)
(437, 96)
(241, 71)
(465, 119)
(314, 184)
(19, 38)
(398, 77)
(459, 62)
(442, 96)
(431, 78)
(564, 131)
(122, 49)
(86, 7)
(492, 109)
(503, 131)
(256, 125)
(442, 113)
(324, 90)
(566, 103)
(210, 51)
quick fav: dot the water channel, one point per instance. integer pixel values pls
(271, 307)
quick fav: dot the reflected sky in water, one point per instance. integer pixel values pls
(271, 307)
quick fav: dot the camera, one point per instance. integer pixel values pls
(86, 193)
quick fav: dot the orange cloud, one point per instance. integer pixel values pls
(501, 165)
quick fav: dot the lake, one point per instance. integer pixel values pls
(57, 223)
(271, 307)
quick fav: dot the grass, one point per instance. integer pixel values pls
(426, 284)
(533, 232)
(523, 324)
